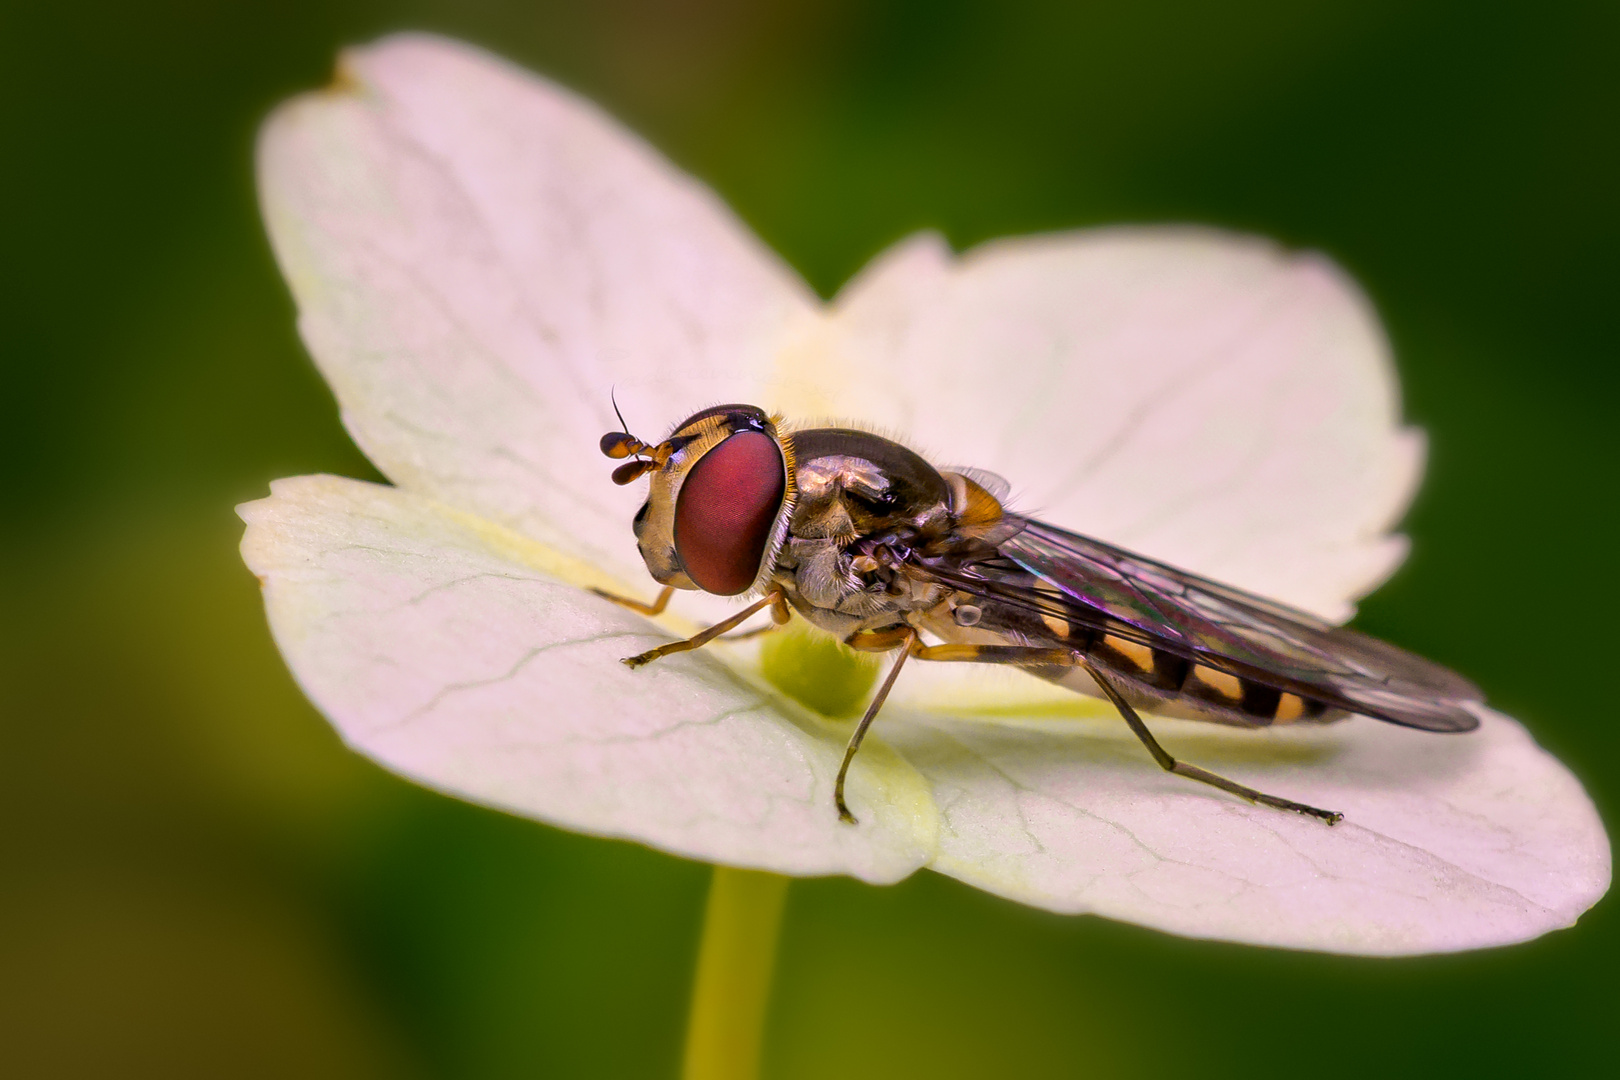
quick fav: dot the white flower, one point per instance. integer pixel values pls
(478, 256)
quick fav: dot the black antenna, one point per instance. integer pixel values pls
(612, 398)
(619, 444)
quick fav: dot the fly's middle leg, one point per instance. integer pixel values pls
(903, 637)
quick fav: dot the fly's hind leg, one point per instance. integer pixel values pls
(1035, 656)
(1193, 772)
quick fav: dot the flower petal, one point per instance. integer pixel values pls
(1202, 398)
(469, 659)
(479, 256)
(1447, 843)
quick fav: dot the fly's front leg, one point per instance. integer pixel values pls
(697, 641)
(1035, 656)
(655, 608)
(780, 614)
(745, 635)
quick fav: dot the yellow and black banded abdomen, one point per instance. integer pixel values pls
(1152, 679)
(1163, 682)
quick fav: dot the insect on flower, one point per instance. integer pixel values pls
(474, 251)
(867, 540)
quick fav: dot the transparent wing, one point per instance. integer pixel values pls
(1095, 585)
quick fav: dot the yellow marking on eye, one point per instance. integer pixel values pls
(1227, 685)
(709, 425)
(1140, 655)
(1290, 707)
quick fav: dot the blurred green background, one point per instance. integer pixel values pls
(197, 880)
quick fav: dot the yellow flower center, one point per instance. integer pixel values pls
(818, 670)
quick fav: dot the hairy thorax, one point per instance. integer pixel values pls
(864, 504)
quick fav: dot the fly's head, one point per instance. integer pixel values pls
(721, 495)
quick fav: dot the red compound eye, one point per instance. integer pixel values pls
(725, 511)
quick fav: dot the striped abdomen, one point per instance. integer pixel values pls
(1153, 679)
(1175, 686)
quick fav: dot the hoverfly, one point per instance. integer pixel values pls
(866, 540)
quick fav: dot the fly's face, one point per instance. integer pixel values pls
(721, 496)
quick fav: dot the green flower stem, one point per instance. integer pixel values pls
(733, 980)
